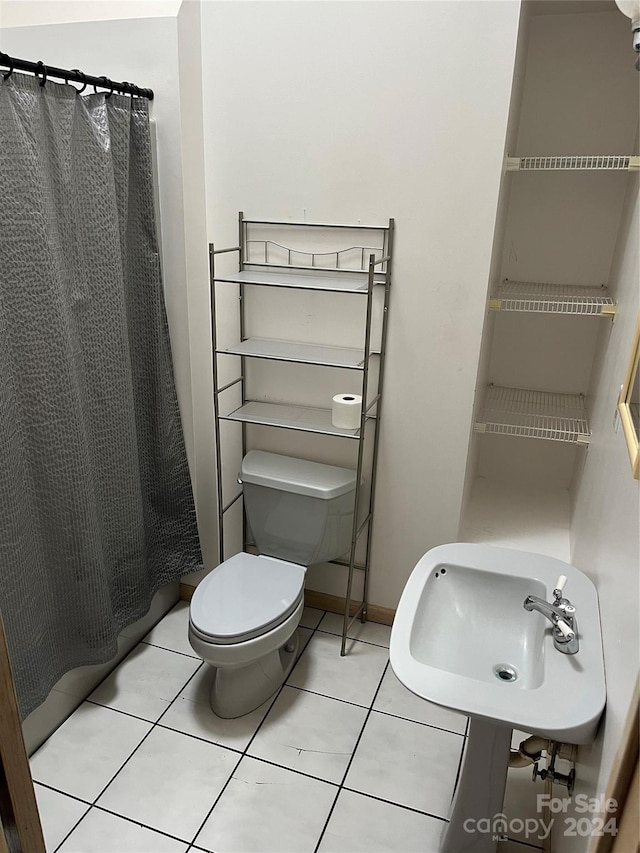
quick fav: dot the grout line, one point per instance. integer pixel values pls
(357, 743)
(377, 710)
(252, 738)
(245, 753)
(165, 649)
(177, 696)
(217, 800)
(139, 823)
(117, 773)
(167, 728)
(399, 805)
(59, 791)
(144, 719)
(77, 799)
(74, 827)
(418, 722)
(120, 711)
(326, 696)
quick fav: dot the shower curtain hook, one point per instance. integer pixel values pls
(41, 67)
(84, 79)
(106, 85)
(6, 59)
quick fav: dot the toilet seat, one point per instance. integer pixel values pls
(245, 597)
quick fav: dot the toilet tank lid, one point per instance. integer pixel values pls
(298, 476)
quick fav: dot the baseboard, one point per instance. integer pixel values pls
(186, 591)
(324, 601)
(335, 604)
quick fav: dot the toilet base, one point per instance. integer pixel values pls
(238, 690)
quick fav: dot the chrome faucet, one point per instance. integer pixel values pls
(561, 614)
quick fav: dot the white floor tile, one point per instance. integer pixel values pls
(146, 682)
(354, 677)
(309, 733)
(394, 698)
(361, 824)
(304, 635)
(58, 815)
(170, 783)
(369, 632)
(83, 755)
(406, 763)
(311, 617)
(100, 832)
(267, 809)
(192, 714)
(44, 720)
(172, 632)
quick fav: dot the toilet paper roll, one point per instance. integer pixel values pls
(345, 411)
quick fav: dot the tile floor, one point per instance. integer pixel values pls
(342, 759)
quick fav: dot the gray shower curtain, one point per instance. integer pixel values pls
(96, 506)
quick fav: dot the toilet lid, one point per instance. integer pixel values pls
(246, 596)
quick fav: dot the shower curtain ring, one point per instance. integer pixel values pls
(106, 85)
(41, 68)
(6, 60)
(84, 79)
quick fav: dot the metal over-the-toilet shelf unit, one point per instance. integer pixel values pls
(336, 260)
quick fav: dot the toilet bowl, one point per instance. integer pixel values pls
(250, 640)
(243, 616)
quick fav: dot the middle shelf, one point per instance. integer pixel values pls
(545, 298)
(302, 418)
(533, 414)
(278, 350)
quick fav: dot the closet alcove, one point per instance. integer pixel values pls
(552, 293)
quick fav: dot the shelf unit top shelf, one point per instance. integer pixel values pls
(351, 283)
(277, 350)
(542, 298)
(534, 414)
(301, 418)
(574, 163)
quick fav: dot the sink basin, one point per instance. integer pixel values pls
(462, 639)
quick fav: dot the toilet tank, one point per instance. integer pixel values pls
(298, 510)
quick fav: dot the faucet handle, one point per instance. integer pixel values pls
(557, 592)
(565, 630)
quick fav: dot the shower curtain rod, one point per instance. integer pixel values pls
(74, 75)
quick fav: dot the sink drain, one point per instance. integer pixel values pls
(505, 672)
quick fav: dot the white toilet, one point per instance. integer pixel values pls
(244, 614)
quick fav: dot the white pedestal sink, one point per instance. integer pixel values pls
(461, 638)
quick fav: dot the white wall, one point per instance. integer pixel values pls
(28, 13)
(354, 112)
(605, 526)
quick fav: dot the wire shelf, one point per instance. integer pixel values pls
(302, 418)
(534, 414)
(327, 356)
(541, 298)
(585, 162)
